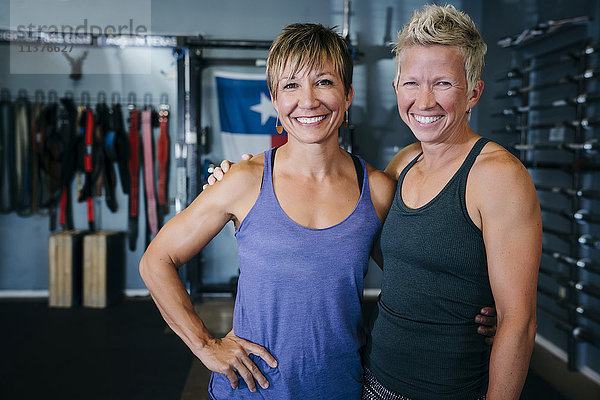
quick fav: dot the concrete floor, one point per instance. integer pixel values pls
(127, 352)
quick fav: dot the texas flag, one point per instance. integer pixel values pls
(247, 115)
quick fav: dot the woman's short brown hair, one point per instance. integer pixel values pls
(308, 45)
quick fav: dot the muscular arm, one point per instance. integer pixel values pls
(512, 232)
(382, 192)
(177, 242)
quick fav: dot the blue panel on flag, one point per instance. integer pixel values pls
(245, 106)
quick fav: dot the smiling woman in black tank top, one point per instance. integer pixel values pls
(464, 230)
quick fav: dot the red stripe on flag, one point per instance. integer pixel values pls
(278, 140)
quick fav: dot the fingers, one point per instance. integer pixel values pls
(262, 353)
(489, 311)
(483, 320)
(245, 373)
(242, 363)
(246, 156)
(253, 373)
(489, 331)
(489, 340)
(211, 181)
(231, 375)
(218, 173)
(225, 164)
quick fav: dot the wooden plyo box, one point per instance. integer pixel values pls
(103, 268)
(64, 268)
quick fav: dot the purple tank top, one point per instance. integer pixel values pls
(299, 295)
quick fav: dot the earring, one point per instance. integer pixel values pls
(469, 114)
(278, 128)
(345, 124)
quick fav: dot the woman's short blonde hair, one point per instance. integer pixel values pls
(308, 45)
(444, 25)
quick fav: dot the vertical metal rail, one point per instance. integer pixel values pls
(525, 82)
(575, 249)
(186, 154)
(346, 134)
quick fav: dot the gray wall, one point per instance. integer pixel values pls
(379, 130)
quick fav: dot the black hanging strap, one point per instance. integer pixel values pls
(7, 154)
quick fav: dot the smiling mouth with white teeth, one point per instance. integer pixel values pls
(426, 120)
(311, 120)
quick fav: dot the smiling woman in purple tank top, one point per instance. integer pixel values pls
(306, 215)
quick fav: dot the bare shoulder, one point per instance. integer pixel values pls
(495, 167)
(500, 180)
(379, 180)
(402, 159)
(238, 188)
(382, 189)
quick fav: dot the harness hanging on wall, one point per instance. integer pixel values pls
(61, 142)
(44, 145)
(163, 158)
(134, 172)
(23, 167)
(107, 178)
(7, 127)
(148, 150)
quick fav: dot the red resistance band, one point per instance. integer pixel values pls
(134, 161)
(87, 160)
(163, 154)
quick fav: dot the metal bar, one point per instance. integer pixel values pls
(585, 193)
(582, 311)
(584, 98)
(576, 332)
(202, 43)
(581, 166)
(579, 286)
(581, 263)
(588, 74)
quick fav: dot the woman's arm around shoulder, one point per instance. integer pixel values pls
(382, 189)
(402, 159)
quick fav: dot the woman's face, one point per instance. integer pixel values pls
(312, 103)
(432, 93)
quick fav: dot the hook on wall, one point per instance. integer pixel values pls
(52, 96)
(164, 98)
(101, 98)
(85, 98)
(5, 95)
(147, 100)
(115, 98)
(39, 96)
(131, 100)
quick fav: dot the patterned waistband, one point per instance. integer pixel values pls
(374, 390)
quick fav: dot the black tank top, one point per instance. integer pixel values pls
(425, 343)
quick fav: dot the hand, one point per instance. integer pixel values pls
(487, 323)
(230, 355)
(220, 172)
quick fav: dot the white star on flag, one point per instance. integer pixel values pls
(265, 108)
